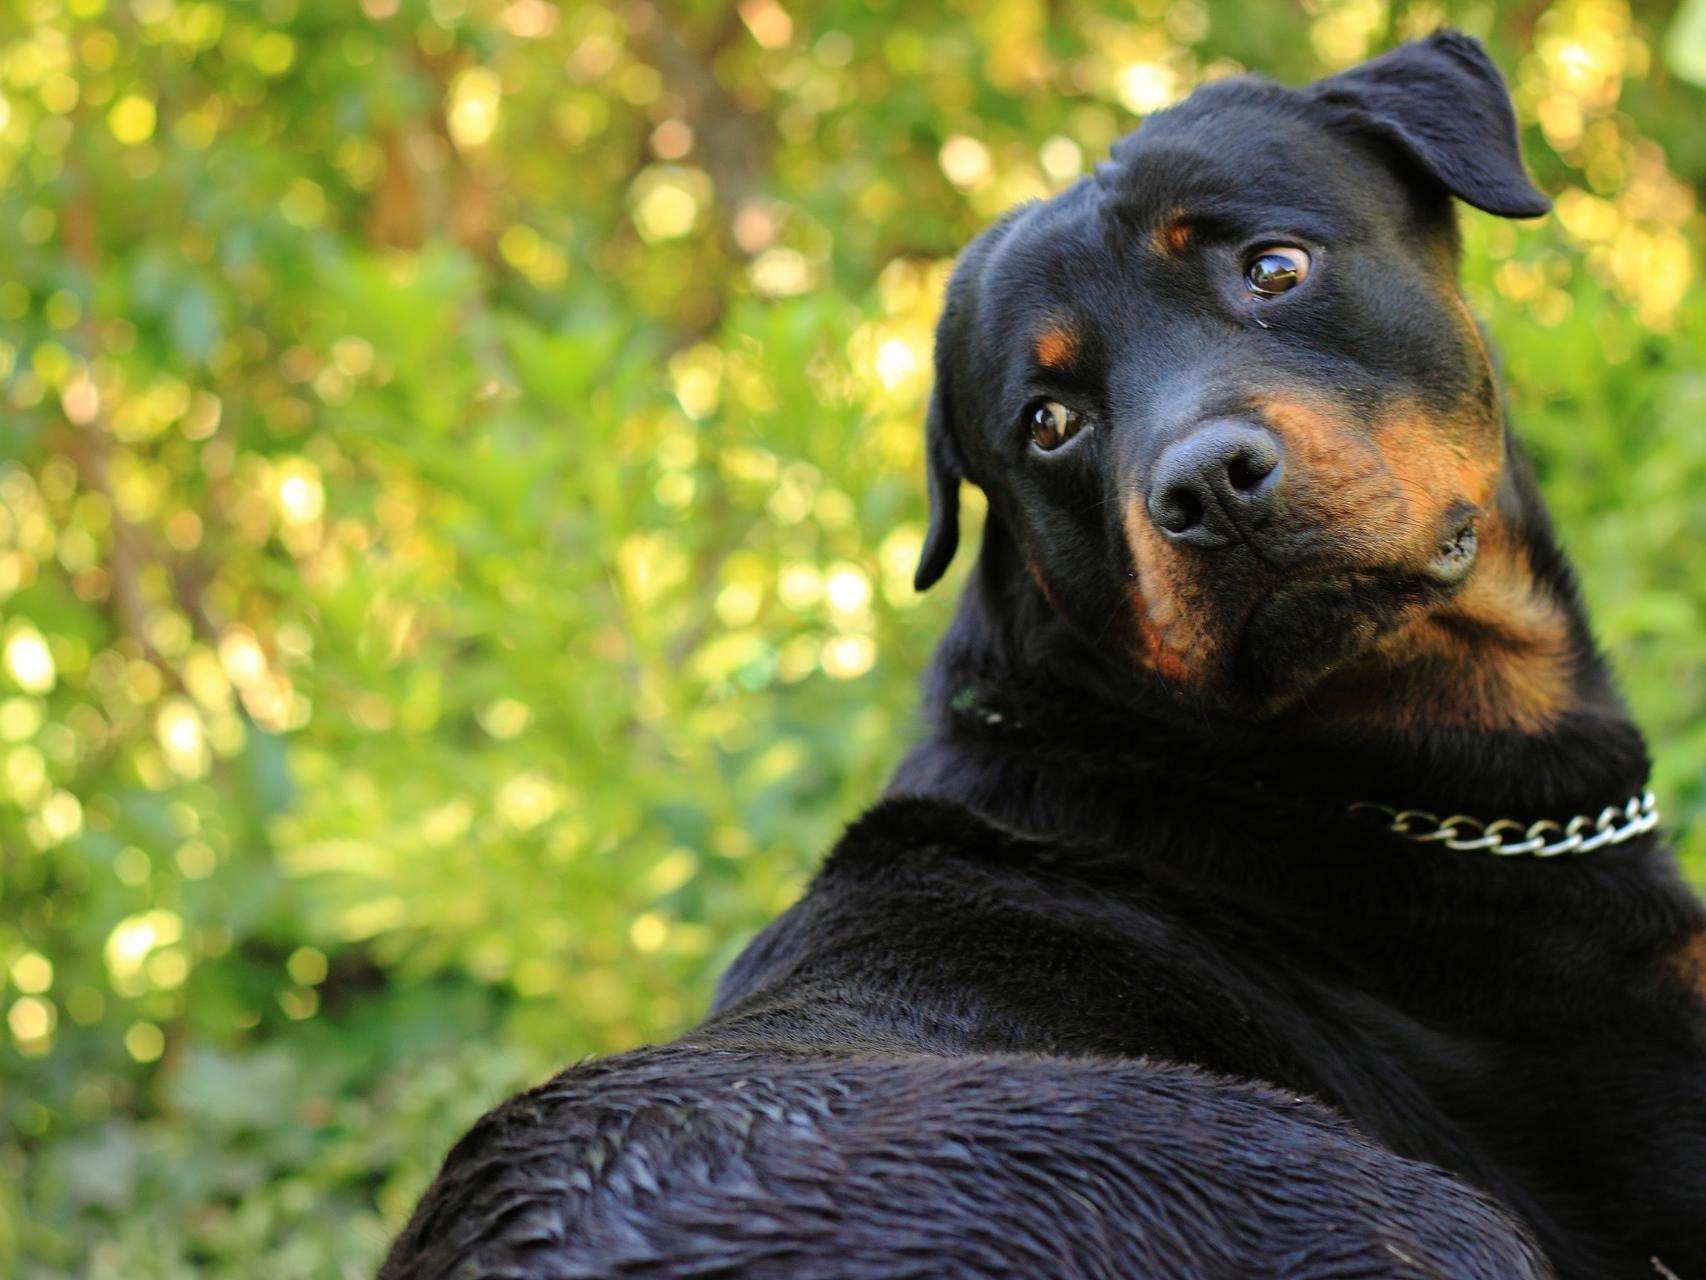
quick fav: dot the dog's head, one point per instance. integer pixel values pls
(1226, 401)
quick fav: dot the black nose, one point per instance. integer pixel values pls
(1219, 483)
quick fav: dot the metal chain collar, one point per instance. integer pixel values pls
(1507, 837)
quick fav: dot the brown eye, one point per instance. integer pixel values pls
(1274, 270)
(1053, 424)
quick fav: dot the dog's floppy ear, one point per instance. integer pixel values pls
(944, 462)
(943, 474)
(1443, 102)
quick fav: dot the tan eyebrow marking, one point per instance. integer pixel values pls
(1172, 235)
(1056, 347)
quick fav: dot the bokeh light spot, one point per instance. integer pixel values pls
(131, 119)
(145, 1042)
(29, 660)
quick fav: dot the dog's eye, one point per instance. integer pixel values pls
(1276, 269)
(1053, 424)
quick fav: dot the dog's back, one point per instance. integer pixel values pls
(678, 1161)
(863, 1105)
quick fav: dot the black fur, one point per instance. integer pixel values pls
(1443, 103)
(1113, 984)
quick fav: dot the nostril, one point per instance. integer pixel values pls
(1178, 511)
(1247, 469)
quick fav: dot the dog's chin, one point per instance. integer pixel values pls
(1297, 634)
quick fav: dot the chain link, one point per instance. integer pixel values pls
(1507, 837)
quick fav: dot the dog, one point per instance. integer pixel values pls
(1274, 892)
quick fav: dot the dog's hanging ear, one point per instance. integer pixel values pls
(1443, 102)
(943, 474)
(944, 463)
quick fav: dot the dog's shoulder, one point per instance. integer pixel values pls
(905, 864)
(918, 834)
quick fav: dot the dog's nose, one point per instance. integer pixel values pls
(1218, 483)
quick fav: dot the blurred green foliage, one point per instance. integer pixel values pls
(459, 482)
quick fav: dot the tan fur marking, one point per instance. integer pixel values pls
(1172, 235)
(1689, 963)
(1172, 639)
(1340, 482)
(1385, 491)
(1498, 654)
(1497, 657)
(1042, 582)
(1449, 460)
(1161, 657)
(1056, 348)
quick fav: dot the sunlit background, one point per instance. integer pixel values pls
(459, 487)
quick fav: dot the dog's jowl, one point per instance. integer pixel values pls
(1275, 892)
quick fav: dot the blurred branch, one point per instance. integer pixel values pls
(394, 216)
(732, 143)
(465, 211)
(90, 446)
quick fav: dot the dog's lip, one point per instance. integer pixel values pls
(1452, 558)
(1455, 555)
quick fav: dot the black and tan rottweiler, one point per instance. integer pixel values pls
(1123, 979)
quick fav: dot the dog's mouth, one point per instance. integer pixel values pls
(1283, 632)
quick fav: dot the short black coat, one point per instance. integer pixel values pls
(1114, 983)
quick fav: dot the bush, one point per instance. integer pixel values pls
(459, 486)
